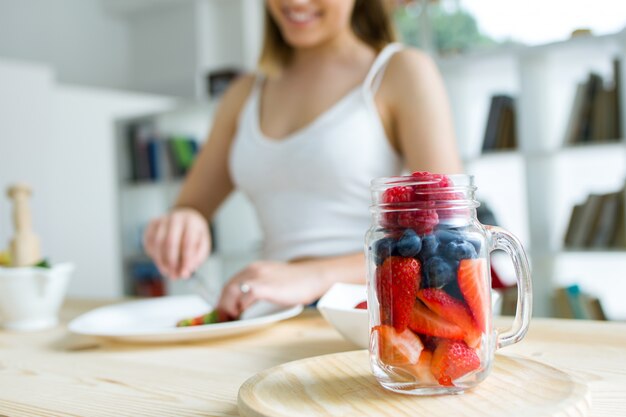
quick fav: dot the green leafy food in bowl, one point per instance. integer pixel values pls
(44, 263)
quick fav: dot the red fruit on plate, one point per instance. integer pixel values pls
(397, 348)
(362, 305)
(425, 321)
(472, 277)
(397, 282)
(451, 360)
(453, 310)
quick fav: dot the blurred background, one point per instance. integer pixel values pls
(105, 103)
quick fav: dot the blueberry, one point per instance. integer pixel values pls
(454, 290)
(430, 244)
(447, 236)
(438, 272)
(383, 249)
(409, 244)
(474, 240)
(455, 251)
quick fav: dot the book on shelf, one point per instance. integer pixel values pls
(583, 221)
(605, 228)
(619, 236)
(598, 222)
(572, 303)
(181, 152)
(500, 130)
(143, 147)
(596, 110)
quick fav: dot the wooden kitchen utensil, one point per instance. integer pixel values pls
(24, 247)
(342, 384)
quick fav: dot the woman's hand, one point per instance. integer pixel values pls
(277, 282)
(289, 283)
(178, 242)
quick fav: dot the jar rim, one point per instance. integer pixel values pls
(461, 181)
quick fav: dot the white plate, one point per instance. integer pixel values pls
(154, 320)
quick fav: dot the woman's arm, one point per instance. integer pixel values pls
(289, 283)
(180, 241)
(416, 112)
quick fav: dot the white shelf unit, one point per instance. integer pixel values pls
(532, 190)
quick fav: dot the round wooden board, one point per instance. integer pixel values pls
(342, 384)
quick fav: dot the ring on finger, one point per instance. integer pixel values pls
(245, 288)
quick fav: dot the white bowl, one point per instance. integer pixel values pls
(337, 307)
(30, 297)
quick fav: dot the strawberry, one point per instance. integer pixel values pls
(397, 348)
(397, 282)
(472, 277)
(453, 310)
(362, 305)
(426, 322)
(422, 369)
(451, 360)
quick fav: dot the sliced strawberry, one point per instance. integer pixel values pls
(362, 305)
(397, 348)
(453, 310)
(397, 282)
(472, 277)
(451, 360)
(427, 322)
(422, 370)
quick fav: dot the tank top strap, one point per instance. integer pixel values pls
(375, 75)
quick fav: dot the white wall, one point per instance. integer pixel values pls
(59, 139)
(83, 43)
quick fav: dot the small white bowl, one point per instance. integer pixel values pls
(30, 297)
(337, 307)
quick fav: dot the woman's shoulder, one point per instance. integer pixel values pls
(410, 75)
(239, 90)
(408, 66)
(234, 98)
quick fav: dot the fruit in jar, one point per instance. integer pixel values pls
(384, 248)
(397, 281)
(409, 244)
(453, 359)
(473, 285)
(452, 310)
(438, 272)
(425, 321)
(397, 348)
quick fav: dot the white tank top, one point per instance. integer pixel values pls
(311, 189)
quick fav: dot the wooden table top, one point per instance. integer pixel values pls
(55, 373)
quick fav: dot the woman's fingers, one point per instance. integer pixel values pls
(170, 245)
(229, 300)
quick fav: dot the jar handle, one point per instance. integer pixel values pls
(504, 240)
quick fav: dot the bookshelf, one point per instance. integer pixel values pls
(538, 183)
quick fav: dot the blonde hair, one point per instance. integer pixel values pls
(370, 21)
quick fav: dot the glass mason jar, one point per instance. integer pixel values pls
(429, 285)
